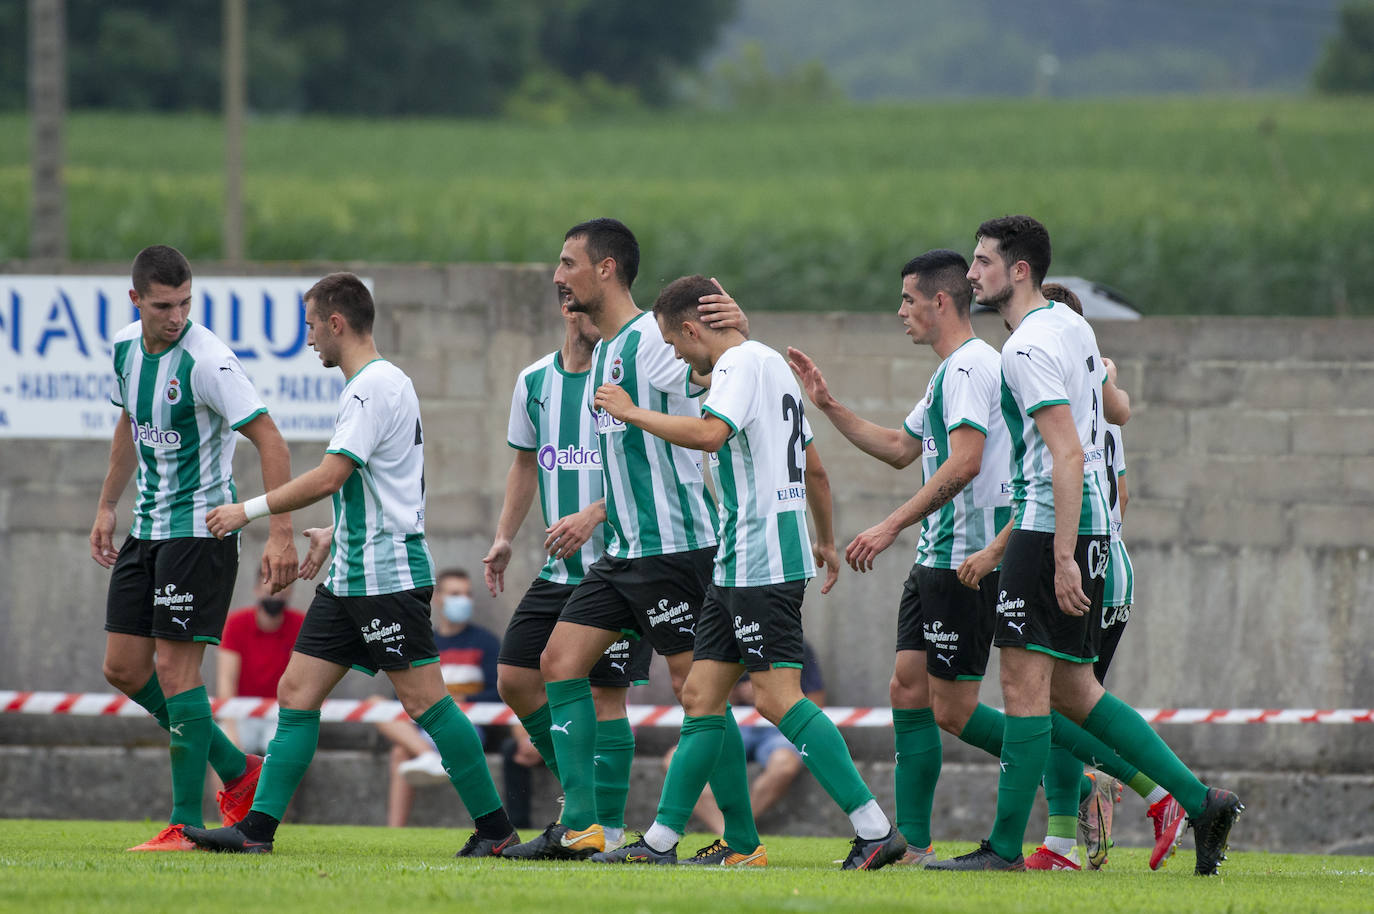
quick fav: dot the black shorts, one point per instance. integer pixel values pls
(656, 597)
(1028, 613)
(760, 627)
(177, 589)
(952, 623)
(1114, 619)
(624, 664)
(390, 631)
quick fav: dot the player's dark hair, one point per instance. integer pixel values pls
(452, 573)
(944, 271)
(160, 264)
(610, 238)
(344, 294)
(1056, 292)
(679, 299)
(1020, 238)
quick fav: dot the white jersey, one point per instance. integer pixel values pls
(760, 472)
(549, 416)
(1120, 588)
(184, 404)
(965, 390)
(656, 499)
(379, 512)
(1050, 359)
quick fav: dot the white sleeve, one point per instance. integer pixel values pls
(520, 431)
(734, 390)
(1035, 373)
(360, 425)
(970, 393)
(663, 370)
(224, 386)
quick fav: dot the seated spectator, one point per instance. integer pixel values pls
(467, 658)
(764, 744)
(252, 655)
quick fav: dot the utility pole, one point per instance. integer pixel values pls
(47, 109)
(233, 99)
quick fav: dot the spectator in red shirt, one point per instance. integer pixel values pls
(253, 653)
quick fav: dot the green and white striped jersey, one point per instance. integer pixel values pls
(965, 390)
(379, 512)
(1120, 589)
(1052, 358)
(549, 416)
(760, 470)
(656, 499)
(184, 405)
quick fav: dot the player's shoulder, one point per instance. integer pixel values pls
(381, 379)
(974, 355)
(128, 333)
(541, 364)
(202, 345)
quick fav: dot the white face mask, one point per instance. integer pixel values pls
(457, 608)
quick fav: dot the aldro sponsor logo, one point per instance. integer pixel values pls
(572, 457)
(155, 436)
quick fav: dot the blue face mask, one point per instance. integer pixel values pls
(457, 608)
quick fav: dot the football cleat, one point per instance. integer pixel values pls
(875, 853)
(917, 857)
(236, 799)
(1212, 828)
(477, 846)
(720, 854)
(1095, 815)
(227, 840)
(540, 847)
(171, 838)
(984, 858)
(1045, 859)
(1170, 823)
(637, 851)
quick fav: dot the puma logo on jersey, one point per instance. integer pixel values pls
(968, 372)
(755, 650)
(175, 730)
(395, 650)
(802, 750)
(226, 368)
(1018, 628)
(1026, 352)
(949, 661)
(618, 666)
(362, 401)
(543, 404)
(561, 728)
(691, 631)
(182, 622)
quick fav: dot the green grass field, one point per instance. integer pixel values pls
(1212, 205)
(81, 866)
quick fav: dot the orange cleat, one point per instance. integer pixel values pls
(236, 799)
(170, 838)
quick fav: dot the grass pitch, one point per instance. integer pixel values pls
(82, 866)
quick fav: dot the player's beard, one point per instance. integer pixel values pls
(998, 301)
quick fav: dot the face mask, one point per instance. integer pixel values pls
(457, 608)
(273, 606)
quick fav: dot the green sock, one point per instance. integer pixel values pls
(1089, 749)
(1142, 785)
(615, 754)
(825, 753)
(698, 750)
(984, 730)
(226, 758)
(461, 749)
(189, 722)
(1025, 750)
(730, 785)
(572, 728)
(1063, 773)
(1118, 725)
(537, 726)
(288, 755)
(919, 756)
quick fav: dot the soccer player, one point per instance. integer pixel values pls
(660, 532)
(183, 395)
(767, 472)
(1050, 590)
(373, 610)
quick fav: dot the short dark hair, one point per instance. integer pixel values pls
(679, 299)
(1056, 292)
(942, 270)
(344, 294)
(452, 573)
(160, 264)
(611, 238)
(1020, 238)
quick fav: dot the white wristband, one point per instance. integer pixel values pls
(256, 507)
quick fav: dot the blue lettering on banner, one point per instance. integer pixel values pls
(61, 324)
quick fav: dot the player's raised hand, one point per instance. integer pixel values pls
(827, 558)
(280, 564)
(494, 565)
(320, 540)
(720, 311)
(867, 545)
(614, 399)
(226, 519)
(812, 381)
(102, 537)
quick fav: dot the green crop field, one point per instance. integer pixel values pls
(1216, 205)
(81, 866)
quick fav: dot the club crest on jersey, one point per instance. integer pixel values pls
(173, 390)
(617, 370)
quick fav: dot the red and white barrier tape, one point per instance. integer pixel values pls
(338, 710)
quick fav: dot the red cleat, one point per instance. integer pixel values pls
(1170, 823)
(170, 838)
(236, 799)
(1046, 859)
